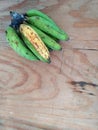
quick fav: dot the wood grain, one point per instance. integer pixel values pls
(62, 95)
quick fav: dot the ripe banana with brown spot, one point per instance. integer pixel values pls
(34, 43)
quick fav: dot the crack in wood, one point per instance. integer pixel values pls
(86, 49)
(83, 49)
(83, 84)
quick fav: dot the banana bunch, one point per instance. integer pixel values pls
(33, 34)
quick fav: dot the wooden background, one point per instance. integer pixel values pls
(62, 95)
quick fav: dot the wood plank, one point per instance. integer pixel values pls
(61, 95)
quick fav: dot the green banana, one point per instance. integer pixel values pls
(47, 27)
(34, 12)
(49, 42)
(34, 43)
(18, 45)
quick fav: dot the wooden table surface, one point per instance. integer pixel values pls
(62, 95)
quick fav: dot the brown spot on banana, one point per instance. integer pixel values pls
(35, 40)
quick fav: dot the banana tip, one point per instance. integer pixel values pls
(60, 48)
(49, 60)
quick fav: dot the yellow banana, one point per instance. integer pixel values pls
(34, 43)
